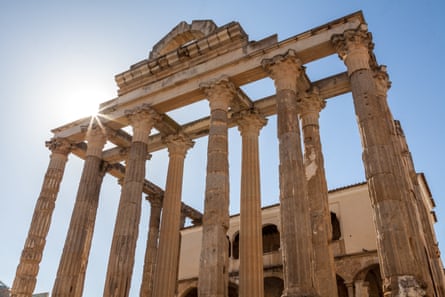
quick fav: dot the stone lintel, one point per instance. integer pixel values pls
(328, 87)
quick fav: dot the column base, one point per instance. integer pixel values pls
(403, 286)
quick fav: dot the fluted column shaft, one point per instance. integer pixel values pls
(399, 257)
(28, 268)
(169, 237)
(72, 266)
(325, 282)
(213, 267)
(251, 242)
(151, 250)
(296, 232)
(126, 229)
(425, 228)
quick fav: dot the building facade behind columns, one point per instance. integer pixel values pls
(352, 242)
(371, 239)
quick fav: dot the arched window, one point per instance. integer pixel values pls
(335, 223)
(342, 290)
(271, 239)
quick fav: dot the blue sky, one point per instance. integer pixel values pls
(58, 60)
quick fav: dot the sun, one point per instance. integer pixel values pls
(83, 103)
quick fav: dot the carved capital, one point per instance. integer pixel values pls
(354, 47)
(219, 92)
(382, 81)
(250, 121)
(96, 139)
(59, 145)
(310, 102)
(178, 144)
(284, 70)
(142, 119)
(155, 200)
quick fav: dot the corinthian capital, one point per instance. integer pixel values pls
(178, 144)
(250, 121)
(382, 81)
(219, 92)
(142, 119)
(310, 102)
(284, 70)
(96, 138)
(354, 47)
(59, 145)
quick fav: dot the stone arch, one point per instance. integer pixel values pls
(273, 286)
(371, 277)
(271, 238)
(342, 290)
(192, 292)
(181, 34)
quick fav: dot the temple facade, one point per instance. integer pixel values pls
(305, 246)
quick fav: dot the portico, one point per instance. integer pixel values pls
(201, 61)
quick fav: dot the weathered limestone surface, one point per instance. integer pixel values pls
(169, 237)
(399, 259)
(26, 275)
(425, 227)
(295, 220)
(213, 267)
(151, 250)
(310, 105)
(251, 243)
(73, 263)
(123, 247)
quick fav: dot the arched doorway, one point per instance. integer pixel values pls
(374, 281)
(342, 290)
(273, 286)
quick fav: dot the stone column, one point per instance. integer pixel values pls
(168, 253)
(251, 281)
(72, 266)
(425, 227)
(361, 288)
(213, 266)
(151, 250)
(296, 232)
(26, 274)
(350, 288)
(310, 105)
(123, 247)
(400, 261)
